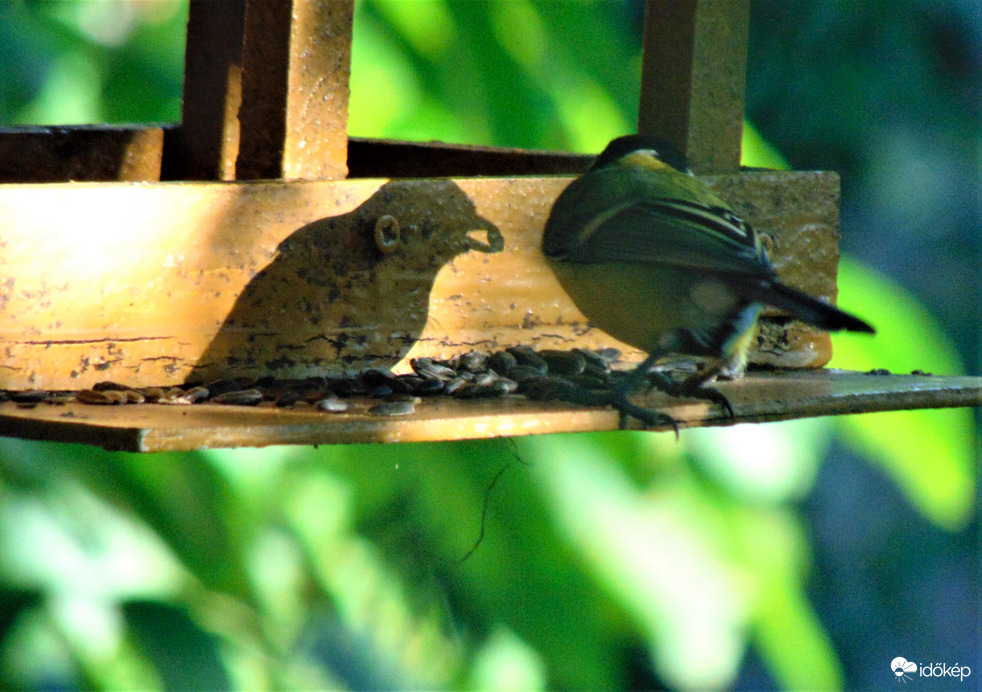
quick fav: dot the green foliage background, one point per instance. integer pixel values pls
(620, 560)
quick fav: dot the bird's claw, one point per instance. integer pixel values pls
(617, 398)
(647, 417)
(695, 388)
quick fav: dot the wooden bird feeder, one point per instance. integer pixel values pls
(256, 238)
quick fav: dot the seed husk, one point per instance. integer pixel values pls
(109, 387)
(244, 397)
(502, 362)
(484, 378)
(427, 367)
(153, 394)
(94, 397)
(331, 404)
(563, 363)
(506, 385)
(429, 386)
(411, 380)
(393, 408)
(30, 396)
(474, 361)
(453, 385)
(525, 355)
(218, 387)
(609, 355)
(287, 399)
(196, 394)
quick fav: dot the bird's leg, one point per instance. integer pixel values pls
(619, 398)
(694, 386)
(615, 396)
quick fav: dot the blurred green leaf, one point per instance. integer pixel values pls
(187, 657)
(424, 505)
(189, 503)
(506, 663)
(787, 632)
(561, 86)
(762, 463)
(757, 152)
(661, 551)
(930, 454)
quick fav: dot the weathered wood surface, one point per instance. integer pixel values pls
(206, 144)
(757, 398)
(153, 284)
(693, 76)
(296, 63)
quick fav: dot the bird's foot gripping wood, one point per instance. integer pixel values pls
(616, 396)
(618, 399)
(648, 417)
(692, 387)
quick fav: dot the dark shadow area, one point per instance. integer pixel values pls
(91, 153)
(349, 291)
(381, 158)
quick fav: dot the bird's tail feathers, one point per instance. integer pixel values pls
(808, 309)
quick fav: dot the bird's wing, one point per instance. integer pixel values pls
(670, 231)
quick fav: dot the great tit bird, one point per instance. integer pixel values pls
(653, 257)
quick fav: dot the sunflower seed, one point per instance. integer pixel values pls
(244, 397)
(95, 397)
(196, 394)
(287, 399)
(474, 361)
(429, 386)
(393, 408)
(502, 362)
(331, 404)
(525, 355)
(564, 363)
(31, 396)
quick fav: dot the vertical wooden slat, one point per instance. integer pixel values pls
(693, 78)
(208, 140)
(294, 114)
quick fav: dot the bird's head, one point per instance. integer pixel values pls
(641, 150)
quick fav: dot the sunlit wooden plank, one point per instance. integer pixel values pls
(758, 398)
(296, 65)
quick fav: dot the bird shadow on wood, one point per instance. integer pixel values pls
(349, 291)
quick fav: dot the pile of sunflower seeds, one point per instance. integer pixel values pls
(538, 375)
